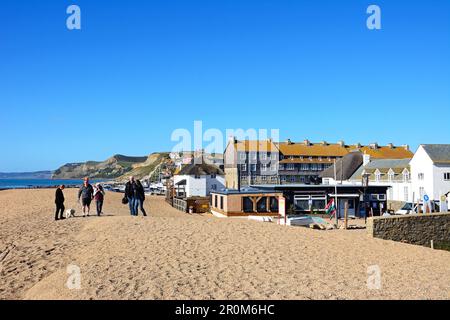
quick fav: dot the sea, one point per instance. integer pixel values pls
(39, 183)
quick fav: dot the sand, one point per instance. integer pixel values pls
(171, 255)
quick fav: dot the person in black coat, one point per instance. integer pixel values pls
(141, 197)
(132, 194)
(59, 201)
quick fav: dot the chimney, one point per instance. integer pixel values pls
(232, 139)
(366, 159)
(374, 145)
(406, 147)
(324, 143)
(288, 141)
(358, 145)
(307, 142)
(390, 145)
(341, 143)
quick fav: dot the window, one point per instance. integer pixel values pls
(405, 176)
(421, 192)
(391, 177)
(281, 166)
(447, 176)
(283, 178)
(273, 167)
(263, 156)
(313, 167)
(377, 176)
(243, 167)
(406, 194)
(242, 156)
(304, 167)
(292, 178)
(291, 157)
(253, 168)
(197, 176)
(215, 201)
(221, 203)
(290, 166)
(264, 178)
(213, 176)
(253, 156)
(214, 187)
(274, 156)
(421, 176)
(264, 167)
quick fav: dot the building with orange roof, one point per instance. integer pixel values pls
(257, 162)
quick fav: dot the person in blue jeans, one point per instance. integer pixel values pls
(141, 199)
(132, 194)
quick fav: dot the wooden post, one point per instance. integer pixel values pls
(346, 215)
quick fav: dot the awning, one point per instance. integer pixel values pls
(181, 183)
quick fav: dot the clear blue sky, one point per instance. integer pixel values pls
(140, 69)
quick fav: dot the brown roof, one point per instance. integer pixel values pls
(388, 152)
(256, 146)
(322, 149)
(313, 150)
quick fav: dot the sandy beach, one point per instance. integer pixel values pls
(171, 255)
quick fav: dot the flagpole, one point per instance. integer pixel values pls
(335, 195)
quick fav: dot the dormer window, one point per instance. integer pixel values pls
(377, 176)
(406, 176)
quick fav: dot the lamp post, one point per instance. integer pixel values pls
(365, 183)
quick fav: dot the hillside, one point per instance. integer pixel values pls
(111, 168)
(150, 167)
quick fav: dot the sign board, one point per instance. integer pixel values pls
(426, 198)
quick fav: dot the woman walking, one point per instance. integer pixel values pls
(99, 196)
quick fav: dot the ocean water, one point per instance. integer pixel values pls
(39, 183)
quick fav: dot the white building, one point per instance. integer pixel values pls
(198, 180)
(394, 173)
(430, 171)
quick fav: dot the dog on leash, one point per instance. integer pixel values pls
(70, 213)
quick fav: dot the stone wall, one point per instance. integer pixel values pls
(414, 229)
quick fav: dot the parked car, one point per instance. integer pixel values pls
(411, 208)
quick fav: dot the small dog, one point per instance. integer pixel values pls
(70, 213)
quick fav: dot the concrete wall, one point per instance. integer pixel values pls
(414, 229)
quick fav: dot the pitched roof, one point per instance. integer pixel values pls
(345, 167)
(256, 146)
(386, 152)
(383, 166)
(199, 170)
(439, 153)
(322, 149)
(312, 150)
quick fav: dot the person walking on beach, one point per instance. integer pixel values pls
(99, 196)
(141, 198)
(132, 194)
(59, 201)
(86, 194)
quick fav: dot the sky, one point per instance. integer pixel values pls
(138, 70)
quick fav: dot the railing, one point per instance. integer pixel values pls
(180, 204)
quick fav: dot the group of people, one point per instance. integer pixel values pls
(134, 194)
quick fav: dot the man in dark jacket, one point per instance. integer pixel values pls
(59, 201)
(141, 198)
(86, 194)
(132, 193)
